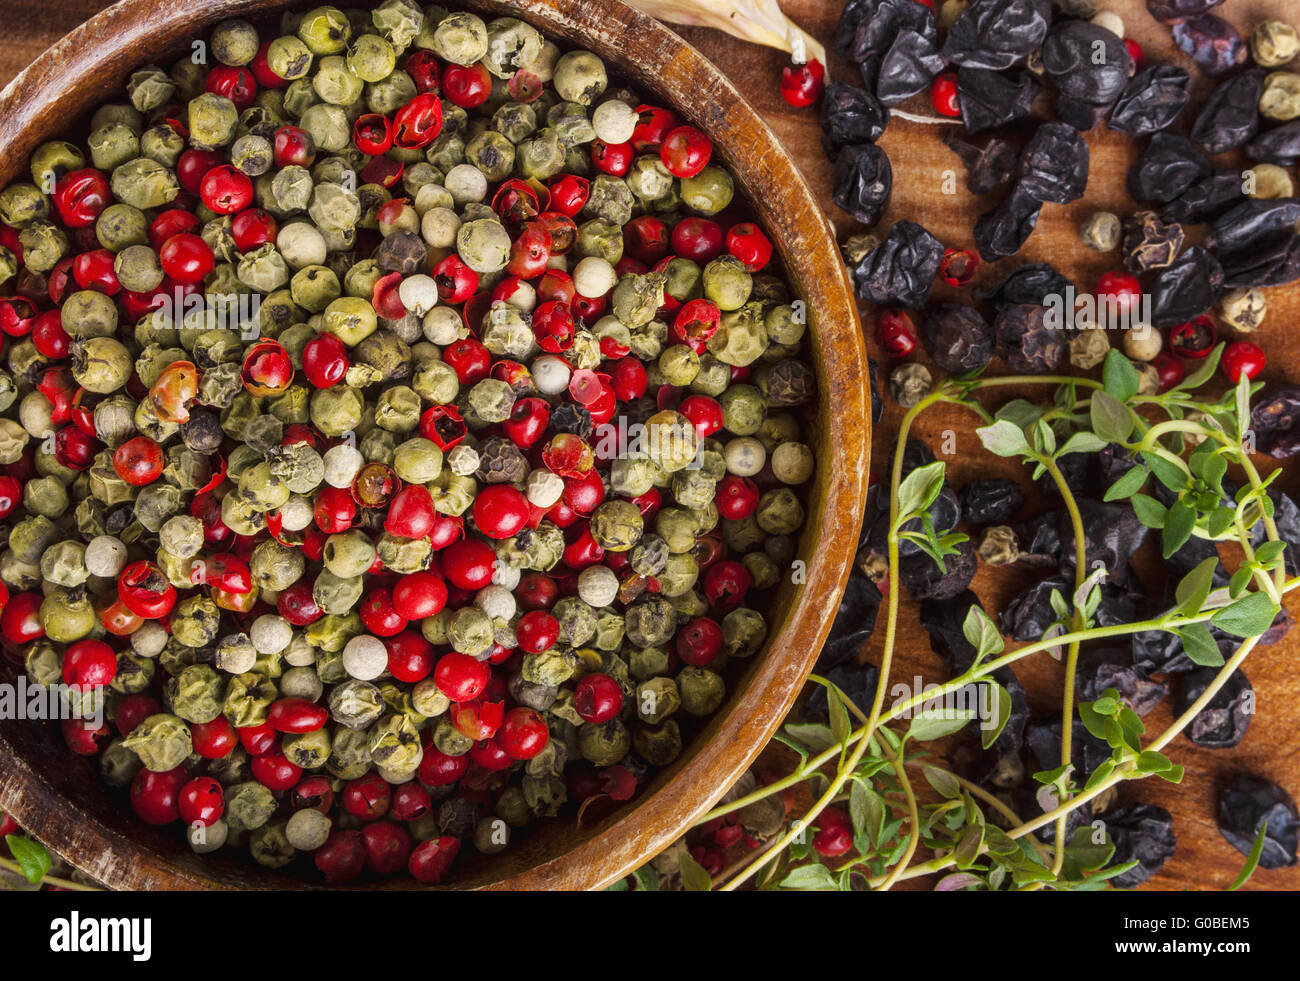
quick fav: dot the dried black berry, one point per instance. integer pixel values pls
(854, 622)
(877, 36)
(988, 165)
(998, 33)
(1054, 166)
(1224, 721)
(790, 383)
(402, 252)
(857, 681)
(991, 99)
(1001, 232)
(1275, 421)
(1143, 833)
(1230, 117)
(1112, 667)
(1252, 224)
(1186, 288)
(1271, 264)
(909, 66)
(922, 577)
(900, 270)
(1213, 43)
(957, 338)
(1205, 200)
(862, 182)
(877, 404)
(1026, 341)
(1169, 165)
(1280, 145)
(992, 501)
(1040, 541)
(1111, 531)
(1151, 101)
(1245, 803)
(1030, 283)
(500, 461)
(850, 115)
(1086, 63)
(853, 16)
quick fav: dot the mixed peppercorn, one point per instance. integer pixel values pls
(460, 520)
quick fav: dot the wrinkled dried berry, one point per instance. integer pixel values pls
(1112, 667)
(1205, 200)
(909, 66)
(1280, 145)
(900, 271)
(862, 182)
(1054, 166)
(1224, 720)
(991, 99)
(1275, 420)
(1244, 803)
(1169, 11)
(879, 35)
(1168, 166)
(1151, 101)
(998, 33)
(854, 622)
(992, 501)
(1001, 232)
(1186, 288)
(1030, 613)
(957, 338)
(1087, 63)
(850, 115)
(1112, 535)
(922, 577)
(1149, 243)
(1024, 339)
(857, 681)
(1030, 283)
(1143, 833)
(1230, 117)
(989, 165)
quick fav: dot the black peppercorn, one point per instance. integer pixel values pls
(500, 461)
(791, 383)
(202, 433)
(570, 417)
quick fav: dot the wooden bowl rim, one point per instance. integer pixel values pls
(31, 110)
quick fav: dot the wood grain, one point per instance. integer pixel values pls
(1204, 860)
(60, 798)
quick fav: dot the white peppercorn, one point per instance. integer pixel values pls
(544, 488)
(299, 653)
(614, 121)
(1243, 309)
(182, 536)
(466, 183)
(307, 829)
(149, 639)
(496, 601)
(1101, 231)
(341, 464)
(598, 586)
(1142, 342)
(296, 513)
(909, 383)
(438, 227)
(301, 244)
(301, 682)
(105, 557)
(1110, 21)
(792, 463)
(551, 374)
(593, 277)
(365, 658)
(205, 839)
(419, 294)
(270, 633)
(507, 576)
(463, 460)
(745, 456)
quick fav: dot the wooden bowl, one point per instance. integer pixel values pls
(61, 798)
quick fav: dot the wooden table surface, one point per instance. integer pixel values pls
(1272, 745)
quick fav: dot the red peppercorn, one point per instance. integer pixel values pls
(469, 359)
(85, 737)
(252, 229)
(437, 769)
(536, 591)
(186, 258)
(652, 128)
(89, 664)
(274, 770)
(737, 497)
(313, 792)
(460, 677)
(79, 197)
(257, 740)
(476, 719)
(155, 796)
(145, 591)
(466, 86)
(1118, 296)
(201, 801)
(262, 69)
(293, 146)
(139, 461)
(686, 151)
(895, 333)
(943, 95)
(388, 847)
(226, 189)
(335, 510)
(1169, 370)
(418, 123)
(372, 134)
(747, 243)
(367, 797)
(378, 615)
(523, 734)
(801, 85)
(94, 271)
(432, 859)
(834, 833)
(11, 493)
(410, 656)
(268, 370)
(537, 631)
(296, 715)
(697, 239)
(343, 856)
(325, 360)
(239, 85)
(569, 193)
(614, 159)
(725, 584)
(1136, 53)
(19, 621)
(214, 740)
(1195, 339)
(696, 323)
(530, 252)
(134, 709)
(74, 448)
(528, 421)
(957, 267)
(598, 698)
(1242, 358)
(699, 642)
